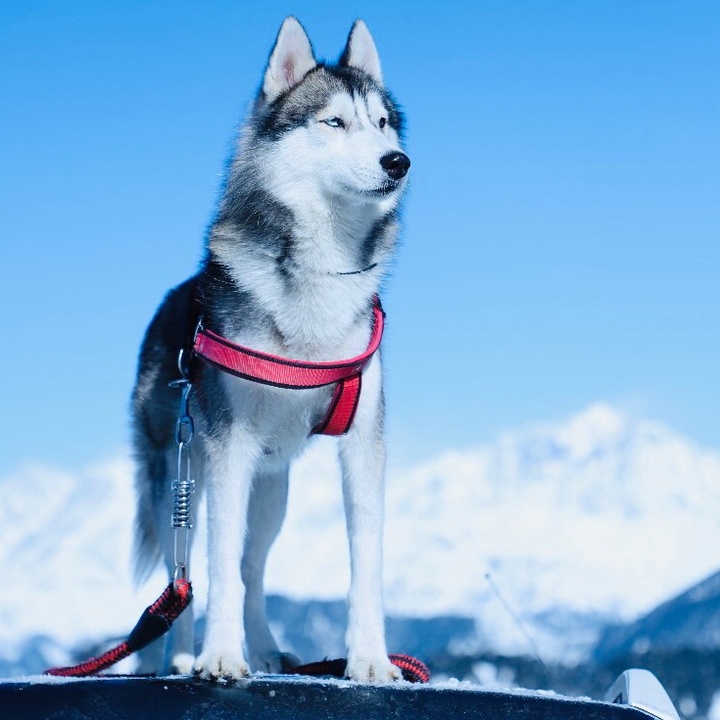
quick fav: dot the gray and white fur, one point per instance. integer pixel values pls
(301, 241)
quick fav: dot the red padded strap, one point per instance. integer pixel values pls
(298, 374)
(342, 408)
(284, 372)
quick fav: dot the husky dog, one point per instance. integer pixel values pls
(294, 257)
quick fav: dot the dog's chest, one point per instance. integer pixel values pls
(280, 419)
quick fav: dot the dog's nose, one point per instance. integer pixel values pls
(395, 164)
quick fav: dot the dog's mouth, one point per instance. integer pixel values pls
(386, 188)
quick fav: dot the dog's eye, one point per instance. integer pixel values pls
(335, 122)
(382, 122)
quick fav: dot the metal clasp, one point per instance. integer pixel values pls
(184, 428)
(183, 487)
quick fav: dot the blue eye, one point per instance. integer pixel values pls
(335, 122)
(382, 122)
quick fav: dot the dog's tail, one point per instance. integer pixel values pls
(146, 546)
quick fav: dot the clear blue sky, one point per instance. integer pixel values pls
(561, 230)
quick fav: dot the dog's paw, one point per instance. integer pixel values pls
(275, 662)
(224, 666)
(377, 670)
(182, 664)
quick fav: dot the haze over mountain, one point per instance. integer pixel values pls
(567, 526)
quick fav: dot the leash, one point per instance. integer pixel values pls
(158, 618)
(153, 624)
(413, 670)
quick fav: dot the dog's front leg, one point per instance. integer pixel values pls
(362, 457)
(231, 465)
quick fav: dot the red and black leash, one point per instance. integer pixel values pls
(413, 670)
(157, 619)
(153, 624)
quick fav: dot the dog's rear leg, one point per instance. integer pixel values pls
(180, 643)
(179, 646)
(155, 540)
(268, 502)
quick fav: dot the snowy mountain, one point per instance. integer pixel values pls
(598, 517)
(690, 620)
(543, 537)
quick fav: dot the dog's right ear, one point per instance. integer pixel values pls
(290, 60)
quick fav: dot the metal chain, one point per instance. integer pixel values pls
(183, 486)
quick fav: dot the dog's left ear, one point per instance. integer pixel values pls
(360, 52)
(291, 59)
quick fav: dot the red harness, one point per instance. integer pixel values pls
(298, 374)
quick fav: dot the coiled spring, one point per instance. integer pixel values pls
(182, 501)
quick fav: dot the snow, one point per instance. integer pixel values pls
(597, 516)
(714, 712)
(285, 681)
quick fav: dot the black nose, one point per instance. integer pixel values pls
(395, 164)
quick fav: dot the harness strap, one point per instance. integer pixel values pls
(341, 412)
(298, 374)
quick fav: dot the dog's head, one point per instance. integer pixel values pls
(333, 128)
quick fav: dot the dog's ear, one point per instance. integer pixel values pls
(360, 52)
(290, 60)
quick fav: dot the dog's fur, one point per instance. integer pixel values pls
(300, 243)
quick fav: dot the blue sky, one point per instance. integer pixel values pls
(561, 230)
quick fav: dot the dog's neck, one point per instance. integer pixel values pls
(339, 237)
(313, 272)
